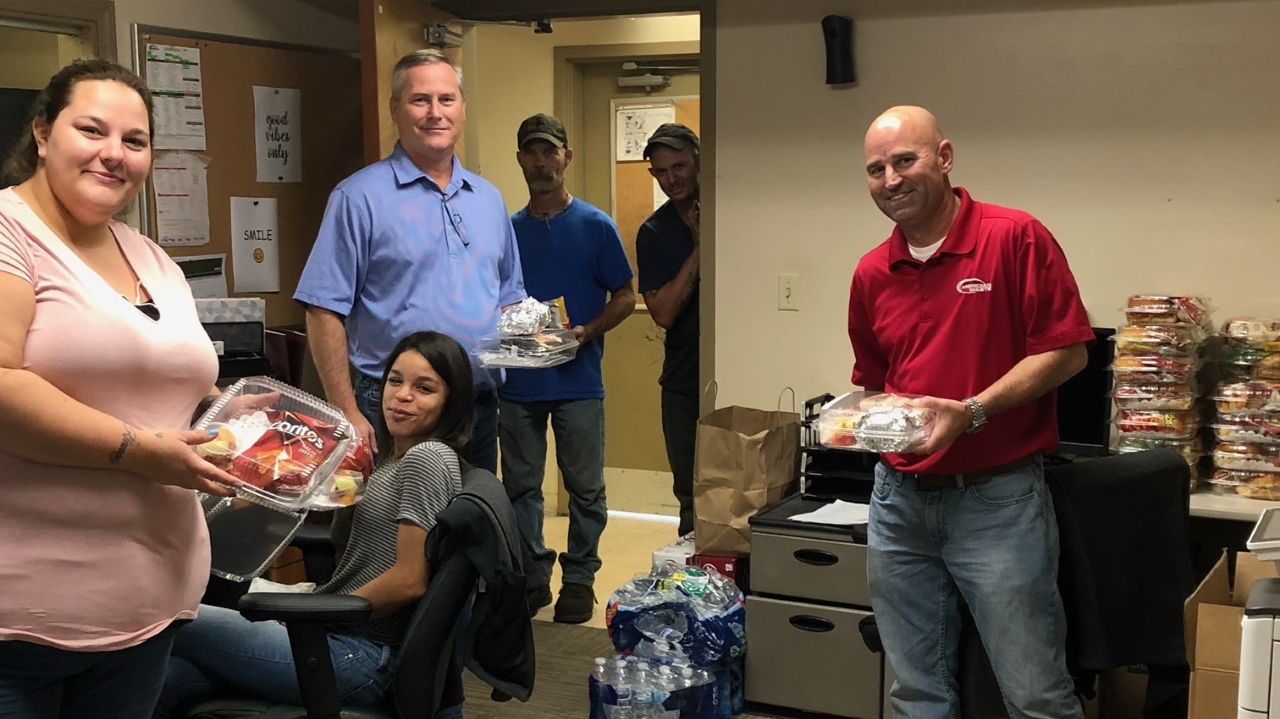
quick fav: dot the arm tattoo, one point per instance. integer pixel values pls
(126, 440)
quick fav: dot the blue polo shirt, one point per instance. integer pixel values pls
(392, 261)
(578, 255)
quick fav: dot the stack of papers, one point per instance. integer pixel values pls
(838, 512)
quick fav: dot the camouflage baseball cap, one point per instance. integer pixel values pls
(541, 127)
(672, 135)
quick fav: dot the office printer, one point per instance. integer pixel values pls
(1259, 696)
(237, 327)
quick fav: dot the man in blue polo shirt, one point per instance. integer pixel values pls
(572, 250)
(412, 242)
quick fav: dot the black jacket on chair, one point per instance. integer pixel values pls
(480, 525)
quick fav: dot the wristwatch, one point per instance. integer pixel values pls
(977, 415)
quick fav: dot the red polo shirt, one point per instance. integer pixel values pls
(999, 289)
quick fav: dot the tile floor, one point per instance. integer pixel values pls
(626, 549)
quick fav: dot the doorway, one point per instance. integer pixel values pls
(636, 471)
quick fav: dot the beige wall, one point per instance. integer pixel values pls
(1144, 138)
(28, 58)
(287, 21)
(510, 73)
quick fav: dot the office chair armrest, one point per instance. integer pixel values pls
(308, 608)
(312, 537)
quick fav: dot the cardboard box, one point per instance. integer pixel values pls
(679, 552)
(1211, 618)
(737, 569)
(1121, 692)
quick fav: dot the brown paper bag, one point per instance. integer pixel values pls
(744, 461)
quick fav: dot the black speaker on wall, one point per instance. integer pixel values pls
(837, 30)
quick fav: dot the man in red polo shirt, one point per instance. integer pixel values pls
(972, 306)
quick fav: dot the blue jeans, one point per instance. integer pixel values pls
(221, 652)
(993, 544)
(42, 682)
(579, 430)
(482, 451)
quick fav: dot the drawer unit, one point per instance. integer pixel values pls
(808, 568)
(811, 657)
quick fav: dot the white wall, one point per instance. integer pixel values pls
(1144, 138)
(510, 71)
(287, 21)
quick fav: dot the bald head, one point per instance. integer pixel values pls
(905, 123)
(908, 162)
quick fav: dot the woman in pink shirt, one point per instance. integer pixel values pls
(102, 364)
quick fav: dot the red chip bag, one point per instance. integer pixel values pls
(358, 459)
(288, 453)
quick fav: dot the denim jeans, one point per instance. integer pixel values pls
(222, 652)
(993, 544)
(680, 430)
(482, 451)
(579, 430)
(42, 682)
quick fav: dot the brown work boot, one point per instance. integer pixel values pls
(576, 604)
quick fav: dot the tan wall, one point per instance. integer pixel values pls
(398, 27)
(287, 21)
(1144, 138)
(512, 70)
(27, 58)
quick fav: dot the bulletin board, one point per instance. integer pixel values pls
(633, 191)
(330, 144)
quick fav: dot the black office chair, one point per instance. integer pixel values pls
(427, 677)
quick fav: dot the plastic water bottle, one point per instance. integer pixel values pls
(642, 694)
(596, 684)
(624, 706)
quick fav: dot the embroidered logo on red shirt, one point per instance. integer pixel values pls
(972, 285)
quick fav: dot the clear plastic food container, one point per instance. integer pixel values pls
(1155, 395)
(1268, 367)
(1255, 485)
(1250, 331)
(1176, 423)
(281, 442)
(246, 537)
(1238, 396)
(1247, 426)
(1154, 368)
(346, 485)
(1247, 456)
(544, 349)
(1190, 448)
(875, 422)
(1166, 310)
(1158, 339)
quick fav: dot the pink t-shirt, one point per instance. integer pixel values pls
(97, 559)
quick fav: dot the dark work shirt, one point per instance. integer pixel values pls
(663, 243)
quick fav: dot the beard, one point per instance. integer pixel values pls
(544, 183)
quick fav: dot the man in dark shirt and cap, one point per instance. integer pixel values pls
(667, 252)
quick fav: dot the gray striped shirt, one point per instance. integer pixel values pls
(414, 488)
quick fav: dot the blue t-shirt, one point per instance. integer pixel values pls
(397, 255)
(578, 255)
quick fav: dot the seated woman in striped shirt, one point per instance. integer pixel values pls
(426, 423)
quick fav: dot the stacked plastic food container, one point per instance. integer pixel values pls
(292, 452)
(1159, 353)
(1246, 456)
(874, 422)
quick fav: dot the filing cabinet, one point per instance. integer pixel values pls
(808, 594)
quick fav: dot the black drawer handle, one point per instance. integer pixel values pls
(816, 557)
(810, 623)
